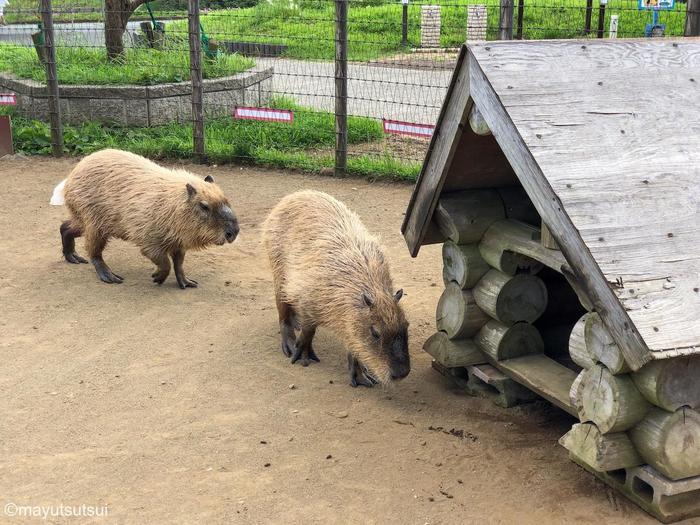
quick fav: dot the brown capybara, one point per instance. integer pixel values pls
(329, 271)
(164, 212)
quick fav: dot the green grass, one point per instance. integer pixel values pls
(139, 66)
(375, 29)
(26, 11)
(307, 144)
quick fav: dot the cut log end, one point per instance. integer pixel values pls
(457, 313)
(520, 298)
(670, 441)
(505, 342)
(613, 403)
(602, 452)
(671, 383)
(462, 264)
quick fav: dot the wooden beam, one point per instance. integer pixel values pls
(553, 213)
(453, 117)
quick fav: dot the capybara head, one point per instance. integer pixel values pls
(384, 329)
(215, 221)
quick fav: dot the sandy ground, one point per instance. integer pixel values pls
(171, 406)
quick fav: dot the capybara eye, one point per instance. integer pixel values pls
(204, 206)
(375, 333)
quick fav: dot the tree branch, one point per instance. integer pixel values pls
(133, 4)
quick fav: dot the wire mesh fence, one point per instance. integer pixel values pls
(310, 84)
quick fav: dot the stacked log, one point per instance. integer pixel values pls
(492, 296)
(498, 262)
(629, 419)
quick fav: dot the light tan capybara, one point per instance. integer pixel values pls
(329, 271)
(164, 212)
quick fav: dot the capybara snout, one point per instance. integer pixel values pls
(219, 216)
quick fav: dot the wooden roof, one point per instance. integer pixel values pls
(605, 138)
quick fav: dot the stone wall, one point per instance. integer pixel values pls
(142, 106)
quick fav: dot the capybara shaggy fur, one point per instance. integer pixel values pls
(165, 212)
(329, 271)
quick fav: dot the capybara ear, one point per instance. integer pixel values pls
(398, 295)
(208, 178)
(191, 190)
(367, 299)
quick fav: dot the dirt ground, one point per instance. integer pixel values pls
(173, 406)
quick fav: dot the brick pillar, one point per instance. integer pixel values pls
(430, 26)
(476, 23)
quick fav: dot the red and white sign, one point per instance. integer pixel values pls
(8, 99)
(270, 115)
(398, 127)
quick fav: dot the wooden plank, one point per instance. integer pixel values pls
(553, 212)
(544, 376)
(443, 144)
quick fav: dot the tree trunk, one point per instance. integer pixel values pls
(117, 14)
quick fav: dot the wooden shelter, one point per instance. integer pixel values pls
(563, 178)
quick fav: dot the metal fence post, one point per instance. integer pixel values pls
(692, 18)
(52, 78)
(506, 22)
(601, 18)
(341, 87)
(196, 79)
(404, 23)
(521, 15)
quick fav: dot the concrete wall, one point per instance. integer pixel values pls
(142, 106)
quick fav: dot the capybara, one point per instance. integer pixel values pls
(329, 271)
(165, 212)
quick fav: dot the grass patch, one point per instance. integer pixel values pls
(26, 11)
(139, 66)
(294, 146)
(375, 27)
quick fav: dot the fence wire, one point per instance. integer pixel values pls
(124, 71)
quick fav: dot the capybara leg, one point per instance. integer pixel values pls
(95, 244)
(163, 264)
(182, 281)
(287, 333)
(304, 351)
(69, 231)
(359, 376)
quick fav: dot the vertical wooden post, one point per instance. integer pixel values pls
(196, 79)
(52, 78)
(341, 87)
(506, 22)
(521, 14)
(589, 16)
(404, 23)
(692, 18)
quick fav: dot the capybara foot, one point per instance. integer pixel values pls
(105, 274)
(159, 276)
(359, 375)
(74, 258)
(304, 355)
(183, 282)
(289, 339)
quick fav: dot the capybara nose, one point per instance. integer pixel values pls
(400, 371)
(232, 232)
